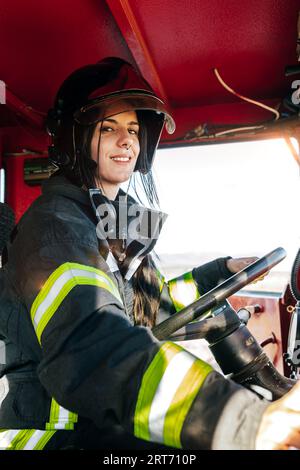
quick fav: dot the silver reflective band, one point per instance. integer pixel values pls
(59, 285)
(57, 288)
(24, 439)
(60, 418)
(183, 290)
(168, 386)
(168, 389)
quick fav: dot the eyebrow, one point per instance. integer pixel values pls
(131, 123)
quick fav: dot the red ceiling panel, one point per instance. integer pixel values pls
(43, 41)
(249, 42)
(176, 44)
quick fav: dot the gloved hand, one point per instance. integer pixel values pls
(236, 264)
(280, 425)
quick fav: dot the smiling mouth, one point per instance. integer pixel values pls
(121, 159)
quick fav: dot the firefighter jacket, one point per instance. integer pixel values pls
(70, 352)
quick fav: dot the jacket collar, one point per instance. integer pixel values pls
(136, 250)
(60, 185)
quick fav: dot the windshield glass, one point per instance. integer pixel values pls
(236, 199)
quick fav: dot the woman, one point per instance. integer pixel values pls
(78, 288)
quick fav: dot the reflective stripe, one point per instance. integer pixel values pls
(24, 439)
(58, 286)
(183, 290)
(60, 418)
(171, 380)
(169, 387)
(6, 437)
(161, 280)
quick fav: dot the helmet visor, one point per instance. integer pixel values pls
(113, 104)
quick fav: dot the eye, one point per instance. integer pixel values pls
(133, 131)
(106, 129)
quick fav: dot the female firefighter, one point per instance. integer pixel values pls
(79, 291)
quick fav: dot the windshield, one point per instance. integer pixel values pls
(236, 199)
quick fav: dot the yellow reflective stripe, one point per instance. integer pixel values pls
(73, 418)
(150, 383)
(58, 286)
(182, 402)
(60, 418)
(44, 440)
(21, 439)
(6, 437)
(183, 290)
(161, 280)
(168, 389)
(24, 439)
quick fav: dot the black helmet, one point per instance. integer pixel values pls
(83, 99)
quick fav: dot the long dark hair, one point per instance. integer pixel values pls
(145, 281)
(146, 293)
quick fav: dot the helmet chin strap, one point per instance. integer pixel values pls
(127, 190)
(98, 157)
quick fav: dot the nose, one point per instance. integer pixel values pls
(125, 140)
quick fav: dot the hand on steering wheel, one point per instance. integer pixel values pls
(198, 309)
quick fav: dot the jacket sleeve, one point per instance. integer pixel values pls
(95, 364)
(181, 291)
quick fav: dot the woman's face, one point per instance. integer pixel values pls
(118, 150)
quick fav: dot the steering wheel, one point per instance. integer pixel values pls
(200, 308)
